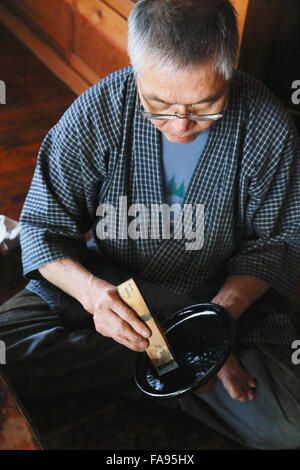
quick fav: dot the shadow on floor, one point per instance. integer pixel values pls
(104, 422)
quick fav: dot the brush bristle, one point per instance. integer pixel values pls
(161, 370)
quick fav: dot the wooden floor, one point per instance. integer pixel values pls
(35, 99)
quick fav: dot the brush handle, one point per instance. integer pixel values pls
(158, 349)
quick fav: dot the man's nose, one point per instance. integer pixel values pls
(181, 124)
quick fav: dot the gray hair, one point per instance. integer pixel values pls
(183, 34)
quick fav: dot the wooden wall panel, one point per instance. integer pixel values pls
(45, 53)
(241, 7)
(124, 7)
(105, 20)
(276, 61)
(53, 19)
(94, 47)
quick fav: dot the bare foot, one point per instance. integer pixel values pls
(238, 382)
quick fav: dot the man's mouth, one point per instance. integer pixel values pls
(183, 137)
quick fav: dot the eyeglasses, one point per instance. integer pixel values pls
(164, 117)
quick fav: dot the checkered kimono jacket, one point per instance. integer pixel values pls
(248, 180)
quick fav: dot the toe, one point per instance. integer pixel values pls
(236, 392)
(252, 382)
(243, 397)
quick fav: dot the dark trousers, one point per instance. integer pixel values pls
(44, 356)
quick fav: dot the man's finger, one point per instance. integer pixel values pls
(124, 332)
(131, 318)
(138, 346)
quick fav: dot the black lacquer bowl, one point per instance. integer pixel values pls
(201, 338)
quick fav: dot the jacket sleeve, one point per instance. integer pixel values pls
(55, 218)
(270, 248)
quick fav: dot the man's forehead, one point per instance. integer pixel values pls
(182, 87)
(210, 98)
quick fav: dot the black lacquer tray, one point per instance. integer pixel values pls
(201, 337)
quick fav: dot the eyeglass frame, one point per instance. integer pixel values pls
(166, 117)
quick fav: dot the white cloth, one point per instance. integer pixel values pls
(9, 233)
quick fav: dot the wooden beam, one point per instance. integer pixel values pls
(64, 72)
(84, 69)
(123, 7)
(106, 20)
(241, 7)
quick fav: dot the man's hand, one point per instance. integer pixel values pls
(113, 318)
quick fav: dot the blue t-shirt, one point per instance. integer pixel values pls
(179, 163)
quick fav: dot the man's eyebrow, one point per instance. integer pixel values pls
(208, 99)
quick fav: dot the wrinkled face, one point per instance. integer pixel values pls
(199, 92)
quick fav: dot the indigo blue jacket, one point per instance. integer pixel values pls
(248, 181)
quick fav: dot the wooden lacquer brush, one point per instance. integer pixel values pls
(158, 349)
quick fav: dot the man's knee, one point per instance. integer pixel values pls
(280, 435)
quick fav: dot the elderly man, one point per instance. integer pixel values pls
(178, 127)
